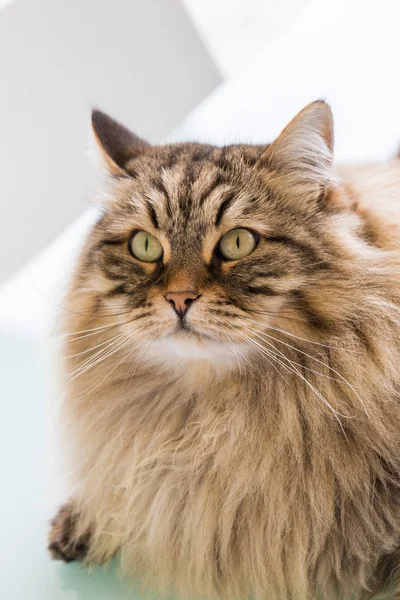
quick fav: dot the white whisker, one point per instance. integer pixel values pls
(102, 355)
(254, 344)
(297, 372)
(110, 373)
(343, 379)
(139, 358)
(97, 330)
(293, 335)
(259, 333)
(101, 327)
(92, 347)
(235, 352)
(84, 368)
(103, 352)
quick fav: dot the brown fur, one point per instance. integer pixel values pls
(64, 542)
(257, 455)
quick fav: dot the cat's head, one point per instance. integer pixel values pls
(199, 246)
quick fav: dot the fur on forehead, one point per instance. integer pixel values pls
(178, 182)
(208, 204)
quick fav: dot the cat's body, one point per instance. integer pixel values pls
(259, 455)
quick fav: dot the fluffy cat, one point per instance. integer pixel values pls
(233, 390)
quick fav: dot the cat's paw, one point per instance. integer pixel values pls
(63, 541)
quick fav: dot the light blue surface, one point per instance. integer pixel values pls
(27, 573)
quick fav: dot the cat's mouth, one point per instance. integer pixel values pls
(183, 325)
(185, 330)
(190, 339)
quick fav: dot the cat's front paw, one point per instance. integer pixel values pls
(64, 544)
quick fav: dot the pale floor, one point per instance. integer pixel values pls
(28, 500)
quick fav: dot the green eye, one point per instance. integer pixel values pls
(146, 247)
(237, 244)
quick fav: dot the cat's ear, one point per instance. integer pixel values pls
(118, 145)
(303, 152)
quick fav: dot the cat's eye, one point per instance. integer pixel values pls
(146, 247)
(237, 244)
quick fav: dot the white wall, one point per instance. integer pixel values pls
(141, 61)
(235, 31)
(346, 51)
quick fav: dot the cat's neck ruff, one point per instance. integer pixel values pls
(189, 350)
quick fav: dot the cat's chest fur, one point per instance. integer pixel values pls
(242, 472)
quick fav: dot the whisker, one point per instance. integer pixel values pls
(97, 314)
(293, 362)
(86, 335)
(235, 352)
(293, 335)
(91, 348)
(310, 385)
(250, 342)
(111, 342)
(270, 313)
(139, 358)
(106, 328)
(95, 361)
(343, 379)
(243, 357)
(267, 353)
(100, 356)
(296, 363)
(273, 314)
(110, 373)
(102, 327)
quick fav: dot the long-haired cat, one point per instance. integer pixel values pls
(233, 370)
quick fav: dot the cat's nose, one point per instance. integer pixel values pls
(181, 301)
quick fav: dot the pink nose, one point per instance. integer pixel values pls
(181, 301)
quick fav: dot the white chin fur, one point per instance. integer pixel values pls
(189, 348)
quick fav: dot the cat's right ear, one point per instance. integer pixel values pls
(117, 144)
(302, 155)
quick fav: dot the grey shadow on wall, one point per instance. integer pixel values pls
(142, 62)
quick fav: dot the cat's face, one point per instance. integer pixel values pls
(199, 246)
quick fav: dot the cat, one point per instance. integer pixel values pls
(232, 351)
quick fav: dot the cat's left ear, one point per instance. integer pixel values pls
(118, 145)
(303, 152)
